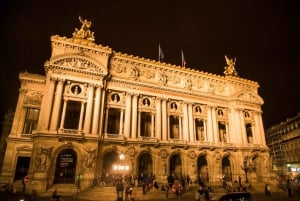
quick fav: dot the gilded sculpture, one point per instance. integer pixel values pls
(230, 68)
(84, 32)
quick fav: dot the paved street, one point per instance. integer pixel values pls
(279, 195)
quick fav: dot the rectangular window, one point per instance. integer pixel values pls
(31, 119)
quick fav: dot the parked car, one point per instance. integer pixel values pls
(235, 196)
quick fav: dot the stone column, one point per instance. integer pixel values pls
(180, 128)
(243, 128)
(106, 120)
(164, 120)
(237, 127)
(96, 110)
(259, 134)
(127, 116)
(205, 130)
(262, 131)
(121, 122)
(101, 118)
(210, 133)
(191, 123)
(89, 107)
(63, 115)
(158, 118)
(185, 122)
(56, 106)
(152, 124)
(17, 116)
(134, 116)
(139, 124)
(81, 116)
(44, 118)
(215, 125)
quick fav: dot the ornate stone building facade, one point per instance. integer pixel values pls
(283, 140)
(94, 104)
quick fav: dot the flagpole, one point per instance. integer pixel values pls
(183, 62)
(158, 52)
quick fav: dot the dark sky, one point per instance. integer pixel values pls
(263, 35)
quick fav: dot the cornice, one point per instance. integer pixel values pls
(78, 44)
(26, 77)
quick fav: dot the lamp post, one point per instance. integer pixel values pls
(246, 166)
(120, 169)
(78, 179)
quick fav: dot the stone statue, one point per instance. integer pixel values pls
(230, 68)
(90, 159)
(42, 161)
(84, 32)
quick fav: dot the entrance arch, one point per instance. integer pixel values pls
(65, 166)
(176, 165)
(202, 169)
(226, 169)
(145, 164)
(108, 161)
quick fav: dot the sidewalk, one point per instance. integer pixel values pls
(103, 194)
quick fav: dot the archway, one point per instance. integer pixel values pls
(107, 169)
(176, 166)
(145, 165)
(226, 169)
(65, 166)
(203, 174)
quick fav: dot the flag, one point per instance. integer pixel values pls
(183, 62)
(161, 55)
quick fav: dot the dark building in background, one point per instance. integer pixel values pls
(283, 140)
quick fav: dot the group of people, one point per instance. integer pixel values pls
(202, 193)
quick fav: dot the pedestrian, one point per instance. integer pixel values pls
(55, 195)
(166, 189)
(267, 190)
(199, 195)
(289, 188)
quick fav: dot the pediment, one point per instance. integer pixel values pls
(79, 63)
(249, 97)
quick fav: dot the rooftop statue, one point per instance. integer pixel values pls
(230, 68)
(84, 32)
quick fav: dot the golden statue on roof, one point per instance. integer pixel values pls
(84, 32)
(230, 68)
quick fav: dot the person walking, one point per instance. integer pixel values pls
(267, 190)
(55, 195)
(289, 188)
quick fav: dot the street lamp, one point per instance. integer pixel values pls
(247, 167)
(120, 168)
(79, 177)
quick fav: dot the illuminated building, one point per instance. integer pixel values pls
(94, 104)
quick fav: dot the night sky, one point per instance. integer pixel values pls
(263, 35)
